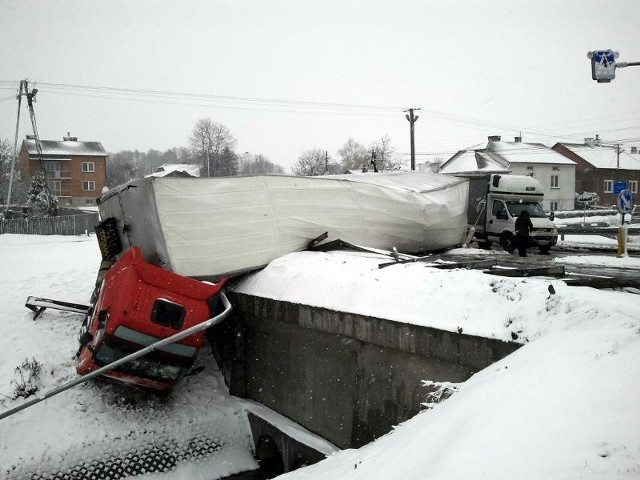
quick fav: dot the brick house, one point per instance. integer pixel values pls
(75, 171)
(599, 166)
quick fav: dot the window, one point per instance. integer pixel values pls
(89, 201)
(168, 314)
(88, 167)
(554, 181)
(51, 165)
(89, 186)
(553, 206)
(55, 187)
(499, 210)
(52, 168)
(633, 186)
(608, 186)
(556, 169)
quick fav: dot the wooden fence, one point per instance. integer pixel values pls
(62, 225)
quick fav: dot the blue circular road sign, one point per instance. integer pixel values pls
(625, 201)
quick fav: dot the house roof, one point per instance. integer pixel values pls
(66, 148)
(521, 152)
(604, 156)
(179, 169)
(470, 161)
(498, 156)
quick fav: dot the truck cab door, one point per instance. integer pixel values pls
(498, 219)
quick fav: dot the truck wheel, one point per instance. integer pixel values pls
(508, 242)
(544, 250)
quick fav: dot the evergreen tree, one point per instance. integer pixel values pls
(40, 202)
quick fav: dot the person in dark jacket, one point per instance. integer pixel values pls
(523, 228)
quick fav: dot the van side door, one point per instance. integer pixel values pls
(499, 219)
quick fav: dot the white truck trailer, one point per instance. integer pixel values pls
(496, 201)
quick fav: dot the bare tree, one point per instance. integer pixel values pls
(259, 165)
(386, 157)
(315, 162)
(354, 156)
(5, 168)
(213, 145)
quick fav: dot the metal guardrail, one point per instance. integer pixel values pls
(604, 231)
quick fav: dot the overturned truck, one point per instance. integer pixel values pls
(220, 227)
(164, 240)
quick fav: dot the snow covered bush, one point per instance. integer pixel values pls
(443, 390)
(28, 378)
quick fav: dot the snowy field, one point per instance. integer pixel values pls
(563, 406)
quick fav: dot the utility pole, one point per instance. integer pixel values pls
(373, 160)
(412, 120)
(326, 162)
(15, 148)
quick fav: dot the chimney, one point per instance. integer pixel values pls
(597, 141)
(589, 141)
(494, 138)
(69, 138)
(517, 139)
(634, 149)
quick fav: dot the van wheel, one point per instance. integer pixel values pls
(485, 245)
(508, 242)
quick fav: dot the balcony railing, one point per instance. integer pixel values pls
(58, 174)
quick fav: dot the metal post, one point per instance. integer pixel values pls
(412, 120)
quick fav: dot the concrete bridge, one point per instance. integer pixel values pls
(348, 378)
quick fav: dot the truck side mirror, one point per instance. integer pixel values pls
(552, 216)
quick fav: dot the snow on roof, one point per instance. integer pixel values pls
(520, 152)
(66, 147)
(470, 161)
(169, 168)
(605, 156)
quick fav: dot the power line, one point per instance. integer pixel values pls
(130, 92)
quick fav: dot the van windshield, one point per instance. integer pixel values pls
(534, 208)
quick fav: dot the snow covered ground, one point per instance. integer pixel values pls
(563, 406)
(85, 422)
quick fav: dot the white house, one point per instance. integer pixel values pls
(554, 171)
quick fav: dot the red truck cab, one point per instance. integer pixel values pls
(139, 304)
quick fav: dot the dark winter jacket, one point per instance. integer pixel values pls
(523, 225)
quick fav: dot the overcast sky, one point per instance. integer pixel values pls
(306, 74)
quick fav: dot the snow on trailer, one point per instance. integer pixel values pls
(215, 227)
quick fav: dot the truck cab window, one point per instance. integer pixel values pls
(499, 210)
(168, 314)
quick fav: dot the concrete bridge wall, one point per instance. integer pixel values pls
(348, 378)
